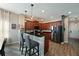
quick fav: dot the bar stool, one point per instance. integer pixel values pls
(2, 52)
(22, 43)
(32, 47)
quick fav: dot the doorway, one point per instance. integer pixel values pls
(74, 33)
(74, 28)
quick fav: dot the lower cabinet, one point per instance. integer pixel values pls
(46, 43)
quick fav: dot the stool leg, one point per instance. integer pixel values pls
(3, 53)
(25, 51)
(29, 52)
(22, 49)
(33, 50)
(38, 50)
(20, 46)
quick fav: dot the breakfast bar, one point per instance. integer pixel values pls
(40, 39)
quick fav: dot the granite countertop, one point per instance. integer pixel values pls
(38, 35)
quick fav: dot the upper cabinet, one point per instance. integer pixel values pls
(29, 25)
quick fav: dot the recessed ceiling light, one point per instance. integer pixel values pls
(43, 11)
(31, 18)
(42, 19)
(69, 12)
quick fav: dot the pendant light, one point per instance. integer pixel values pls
(32, 11)
(25, 15)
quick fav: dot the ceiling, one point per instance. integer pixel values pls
(49, 11)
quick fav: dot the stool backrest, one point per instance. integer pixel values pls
(26, 37)
(22, 40)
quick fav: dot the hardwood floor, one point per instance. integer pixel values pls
(75, 44)
(56, 49)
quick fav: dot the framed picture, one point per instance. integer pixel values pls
(13, 26)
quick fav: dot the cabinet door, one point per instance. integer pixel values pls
(46, 43)
(29, 25)
(36, 23)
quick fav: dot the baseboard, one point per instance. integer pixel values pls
(62, 42)
(65, 41)
(12, 43)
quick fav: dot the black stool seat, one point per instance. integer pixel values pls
(33, 44)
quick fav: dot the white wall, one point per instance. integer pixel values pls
(74, 27)
(8, 18)
(4, 24)
(0, 25)
(13, 33)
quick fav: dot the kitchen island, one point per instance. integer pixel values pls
(40, 39)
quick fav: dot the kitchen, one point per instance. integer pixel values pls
(40, 27)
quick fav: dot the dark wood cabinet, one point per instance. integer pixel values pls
(29, 25)
(46, 43)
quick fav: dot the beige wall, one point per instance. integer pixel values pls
(66, 30)
(21, 21)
